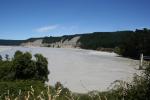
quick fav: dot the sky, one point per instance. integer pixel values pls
(22, 19)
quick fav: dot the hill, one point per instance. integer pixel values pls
(126, 43)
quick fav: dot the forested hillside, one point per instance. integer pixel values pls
(132, 45)
(102, 39)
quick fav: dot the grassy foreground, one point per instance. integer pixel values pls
(36, 90)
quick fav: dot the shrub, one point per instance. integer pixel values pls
(23, 67)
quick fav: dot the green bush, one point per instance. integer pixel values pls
(23, 67)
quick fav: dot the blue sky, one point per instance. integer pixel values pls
(21, 19)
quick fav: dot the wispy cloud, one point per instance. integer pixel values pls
(47, 28)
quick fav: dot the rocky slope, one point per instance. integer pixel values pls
(37, 42)
(67, 43)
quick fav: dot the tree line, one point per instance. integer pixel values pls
(126, 43)
(132, 45)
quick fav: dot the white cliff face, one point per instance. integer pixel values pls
(67, 43)
(72, 43)
(34, 43)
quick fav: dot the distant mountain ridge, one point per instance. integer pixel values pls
(11, 42)
(87, 40)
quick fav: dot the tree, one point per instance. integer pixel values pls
(18, 54)
(41, 67)
(134, 44)
(1, 58)
(23, 65)
(7, 57)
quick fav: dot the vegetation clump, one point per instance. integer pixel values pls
(132, 45)
(23, 67)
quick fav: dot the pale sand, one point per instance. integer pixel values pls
(83, 70)
(4, 48)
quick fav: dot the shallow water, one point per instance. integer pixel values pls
(82, 70)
